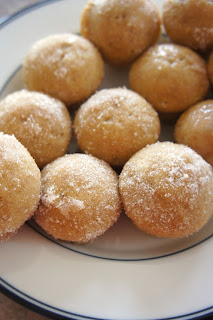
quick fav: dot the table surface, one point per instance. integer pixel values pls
(10, 310)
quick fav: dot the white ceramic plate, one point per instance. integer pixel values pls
(125, 274)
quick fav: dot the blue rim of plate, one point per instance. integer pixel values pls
(48, 310)
(39, 306)
(46, 236)
(8, 19)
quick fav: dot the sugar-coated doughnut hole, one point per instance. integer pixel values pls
(189, 23)
(170, 77)
(19, 187)
(210, 67)
(195, 129)
(115, 123)
(167, 190)
(65, 66)
(79, 199)
(121, 29)
(41, 123)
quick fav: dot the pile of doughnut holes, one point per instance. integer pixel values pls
(165, 188)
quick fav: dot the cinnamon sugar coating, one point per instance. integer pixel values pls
(41, 123)
(167, 190)
(170, 77)
(115, 123)
(195, 129)
(65, 66)
(20, 182)
(121, 29)
(210, 67)
(79, 198)
(189, 23)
